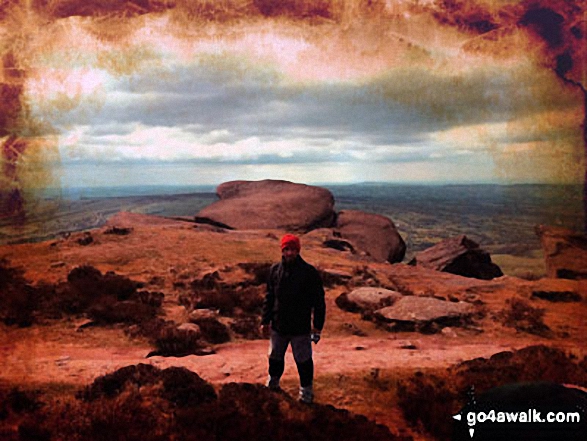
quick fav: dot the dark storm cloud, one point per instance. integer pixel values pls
(226, 101)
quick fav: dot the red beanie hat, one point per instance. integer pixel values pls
(291, 240)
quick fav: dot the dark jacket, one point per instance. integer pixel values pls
(293, 292)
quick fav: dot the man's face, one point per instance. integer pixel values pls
(289, 253)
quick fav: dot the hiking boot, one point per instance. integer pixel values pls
(273, 383)
(306, 395)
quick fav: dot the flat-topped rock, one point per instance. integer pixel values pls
(565, 252)
(458, 255)
(270, 204)
(367, 299)
(424, 314)
(372, 233)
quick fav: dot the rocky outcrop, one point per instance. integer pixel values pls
(565, 252)
(458, 255)
(270, 204)
(423, 314)
(372, 233)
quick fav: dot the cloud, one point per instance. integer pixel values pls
(301, 95)
(402, 106)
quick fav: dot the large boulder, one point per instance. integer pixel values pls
(458, 255)
(270, 204)
(424, 314)
(372, 233)
(565, 252)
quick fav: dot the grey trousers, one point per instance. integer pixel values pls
(301, 346)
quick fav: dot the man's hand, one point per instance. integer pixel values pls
(315, 335)
(265, 330)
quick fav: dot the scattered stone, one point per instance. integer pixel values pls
(360, 348)
(190, 327)
(202, 352)
(83, 324)
(449, 332)
(458, 255)
(565, 252)
(62, 361)
(270, 204)
(354, 329)
(86, 239)
(423, 314)
(372, 233)
(407, 345)
(57, 264)
(198, 314)
(177, 341)
(119, 231)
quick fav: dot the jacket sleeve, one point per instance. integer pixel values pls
(319, 304)
(269, 299)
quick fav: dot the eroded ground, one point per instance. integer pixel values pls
(358, 364)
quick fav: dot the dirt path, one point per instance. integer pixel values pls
(77, 362)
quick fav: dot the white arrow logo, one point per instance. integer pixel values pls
(459, 417)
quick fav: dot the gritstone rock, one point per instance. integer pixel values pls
(270, 204)
(423, 314)
(373, 233)
(458, 255)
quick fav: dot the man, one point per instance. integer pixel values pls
(294, 291)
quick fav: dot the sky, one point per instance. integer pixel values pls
(398, 94)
